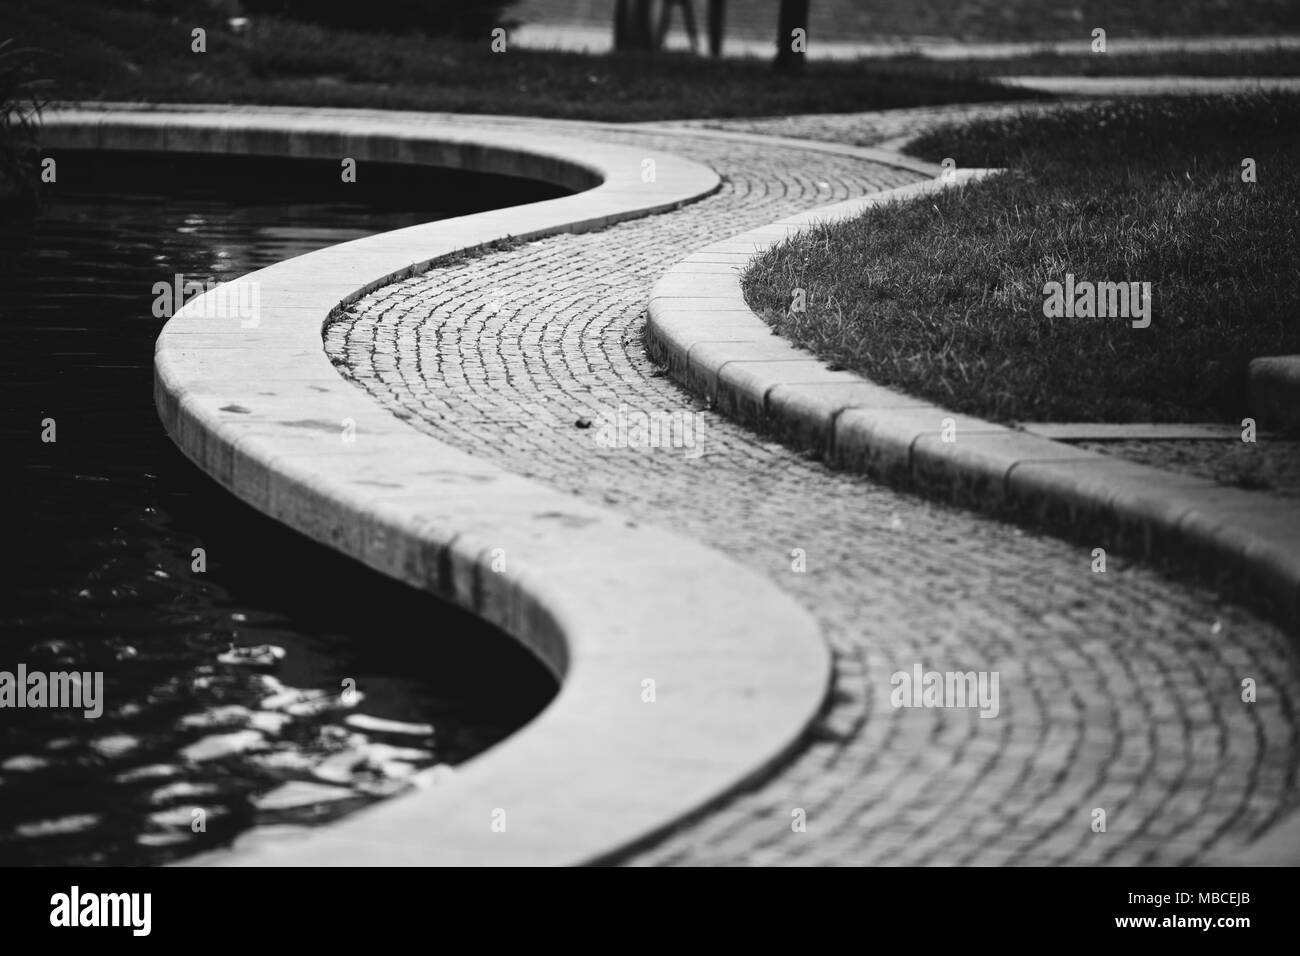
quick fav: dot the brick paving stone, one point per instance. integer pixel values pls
(1118, 691)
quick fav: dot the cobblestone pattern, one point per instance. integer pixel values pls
(1118, 690)
(1269, 465)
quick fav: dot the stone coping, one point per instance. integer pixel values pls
(739, 669)
(701, 328)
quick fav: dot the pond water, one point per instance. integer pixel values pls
(201, 738)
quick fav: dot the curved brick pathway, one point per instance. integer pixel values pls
(1119, 691)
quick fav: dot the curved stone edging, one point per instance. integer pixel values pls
(701, 328)
(607, 604)
(874, 154)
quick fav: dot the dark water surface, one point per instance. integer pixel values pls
(101, 524)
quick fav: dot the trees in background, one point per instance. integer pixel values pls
(471, 19)
(790, 54)
(717, 24)
(635, 28)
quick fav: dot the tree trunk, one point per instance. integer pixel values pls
(717, 20)
(634, 25)
(793, 16)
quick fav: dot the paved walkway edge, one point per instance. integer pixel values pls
(738, 669)
(701, 328)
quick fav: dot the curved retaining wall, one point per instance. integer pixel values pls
(607, 604)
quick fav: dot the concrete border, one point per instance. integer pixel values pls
(702, 330)
(740, 669)
(1150, 85)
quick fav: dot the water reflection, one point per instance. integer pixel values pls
(103, 527)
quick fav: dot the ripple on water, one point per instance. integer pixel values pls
(223, 688)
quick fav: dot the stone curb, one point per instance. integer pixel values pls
(1150, 85)
(739, 669)
(1273, 391)
(702, 330)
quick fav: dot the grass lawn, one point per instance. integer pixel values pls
(1003, 20)
(944, 298)
(99, 52)
(1274, 62)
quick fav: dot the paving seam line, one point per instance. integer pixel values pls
(738, 668)
(1244, 543)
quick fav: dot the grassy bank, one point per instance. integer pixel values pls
(1002, 20)
(945, 298)
(1271, 62)
(96, 52)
